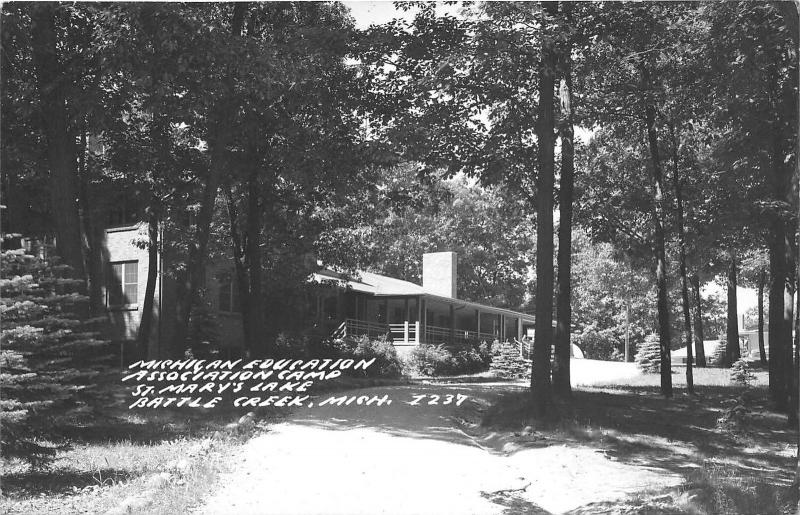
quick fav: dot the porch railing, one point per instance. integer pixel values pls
(405, 333)
(354, 327)
(410, 333)
(435, 334)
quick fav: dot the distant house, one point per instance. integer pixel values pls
(411, 314)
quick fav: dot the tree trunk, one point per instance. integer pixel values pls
(540, 377)
(145, 350)
(687, 318)
(51, 85)
(699, 348)
(561, 364)
(732, 351)
(777, 274)
(762, 352)
(219, 137)
(239, 267)
(255, 312)
(660, 252)
(788, 322)
(93, 236)
(795, 372)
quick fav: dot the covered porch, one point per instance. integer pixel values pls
(409, 320)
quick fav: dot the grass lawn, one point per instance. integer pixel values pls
(116, 455)
(731, 460)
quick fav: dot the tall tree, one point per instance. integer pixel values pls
(687, 319)
(53, 85)
(566, 193)
(545, 134)
(755, 49)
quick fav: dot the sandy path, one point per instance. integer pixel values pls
(403, 459)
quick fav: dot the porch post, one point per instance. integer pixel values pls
(502, 327)
(478, 325)
(423, 316)
(416, 332)
(519, 329)
(452, 325)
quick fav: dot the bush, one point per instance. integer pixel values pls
(305, 345)
(441, 360)
(387, 363)
(741, 374)
(288, 345)
(648, 355)
(717, 358)
(203, 338)
(597, 344)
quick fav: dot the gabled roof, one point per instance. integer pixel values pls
(381, 285)
(369, 282)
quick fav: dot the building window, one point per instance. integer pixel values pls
(228, 294)
(123, 289)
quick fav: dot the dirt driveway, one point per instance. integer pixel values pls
(420, 458)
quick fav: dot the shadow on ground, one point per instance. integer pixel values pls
(751, 464)
(61, 481)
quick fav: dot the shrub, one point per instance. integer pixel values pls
(717, 358)
(507, 361)
(203, 338)
(648, 355)
(597, 344)
(431, 360)
(387, 363)
(441, 360)
(288, 345)
(741, 374)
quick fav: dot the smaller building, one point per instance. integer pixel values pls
(411, 314)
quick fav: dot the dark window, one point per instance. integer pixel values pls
(124, 284)
(330, 308)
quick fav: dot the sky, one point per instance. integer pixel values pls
(369, 13)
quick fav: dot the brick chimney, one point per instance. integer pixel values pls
(439, 273)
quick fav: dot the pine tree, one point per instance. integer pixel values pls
(48, 355)
(741, 374)
(718, 356)
(648, 355)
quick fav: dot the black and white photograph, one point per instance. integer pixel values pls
(400, 258)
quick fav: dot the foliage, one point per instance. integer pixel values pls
(203, 328)
(299, 345)
(602, 345)
(741, 374)
(444, 360)
(387, 363)
(487, 227)
(49, 353)
(289, 345)
(611, 293)
(648, 354)
(717, 358)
